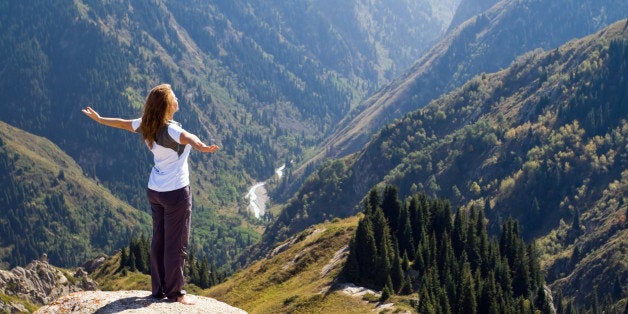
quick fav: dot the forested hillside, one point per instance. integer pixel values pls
(485, 43)
(542, 141)
(266, 81)
(453, 264)
(49, 206)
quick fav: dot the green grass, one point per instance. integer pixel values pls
(293, 281)
(8, 299)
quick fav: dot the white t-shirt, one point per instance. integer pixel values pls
(170, 171)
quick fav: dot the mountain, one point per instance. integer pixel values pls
(542, 141)
(300, 275)
(64, 214)
(263, 66)
(485, 43)
(468, 9)
(265, 80)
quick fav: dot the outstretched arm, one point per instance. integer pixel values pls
(124, 124)
(189, 138)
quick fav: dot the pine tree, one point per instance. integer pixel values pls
(521, 283)
(351, 269)
(391, 207)
(458, 234)
(405, 237)
(426, 303)
(385, 294)
(489, 298)
(536, 277)
(205, 278)
(473, 243)
(124, 258)
(372, 202)
(193, 267)
(405, 264)
(387, 289)
(541, 301)
(215, 277)
(361, 266)
(396, 272)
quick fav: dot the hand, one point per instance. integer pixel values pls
(92, 114)
(209, 149)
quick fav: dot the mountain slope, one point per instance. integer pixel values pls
(299, 275)
(63, 214)
(468, 9)
(484, 43)
(543, 141)
(265, 80)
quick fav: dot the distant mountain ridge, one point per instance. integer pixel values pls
(484, 43)
(468, 9)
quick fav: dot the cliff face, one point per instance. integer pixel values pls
(135, 301)
(39, 283)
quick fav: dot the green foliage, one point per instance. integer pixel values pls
(67, 216)
(136, 257)
(456, 267)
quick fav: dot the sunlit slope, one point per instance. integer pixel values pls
(49, 206)
(299, 275)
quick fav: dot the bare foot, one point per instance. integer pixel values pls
(185, 299)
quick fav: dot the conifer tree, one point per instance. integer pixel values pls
(372, 202)
(193, 267)
(351, 269)
(385, 294)
(458, 235)
(541, 301)
(425, 301)
(397, 274)
(489, 298)
(391, 207)
(405, 263)
(205, 278)
(124, 258)
(215, 277)
(361, 265)
(404, 236)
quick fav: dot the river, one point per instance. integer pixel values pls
(258, 196)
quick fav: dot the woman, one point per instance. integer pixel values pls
(168, 186)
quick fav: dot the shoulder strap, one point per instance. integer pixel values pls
(164, 139)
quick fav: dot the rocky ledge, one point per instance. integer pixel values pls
(39, 283)
(131, 301)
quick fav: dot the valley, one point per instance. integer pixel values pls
(516, 108)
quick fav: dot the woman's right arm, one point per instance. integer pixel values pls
(124, 124)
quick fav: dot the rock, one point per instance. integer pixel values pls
(131, 301)
(93, 264)
(40, 283)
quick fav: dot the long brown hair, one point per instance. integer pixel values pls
(156, 112)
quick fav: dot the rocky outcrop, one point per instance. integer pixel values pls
(39, 283)
(132, 301)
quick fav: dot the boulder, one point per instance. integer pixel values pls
(39, 283)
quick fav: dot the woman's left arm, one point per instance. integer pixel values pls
(189, 138)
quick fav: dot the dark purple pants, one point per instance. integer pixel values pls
(171, 236)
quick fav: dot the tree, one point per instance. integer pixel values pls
(391, 206)
(541, 302)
